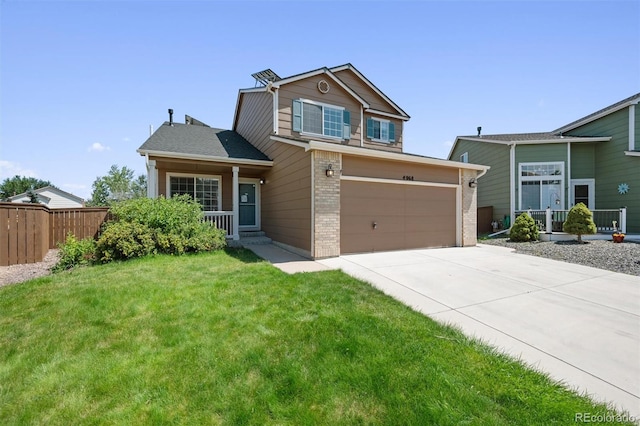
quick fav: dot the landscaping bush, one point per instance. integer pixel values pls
(524, 229)
(74, 252)
(149, 226)
(579, 221)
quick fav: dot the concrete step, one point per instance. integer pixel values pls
(260, 240)
(249, 234)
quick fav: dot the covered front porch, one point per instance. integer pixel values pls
(230, 194)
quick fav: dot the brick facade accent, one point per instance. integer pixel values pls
(469, 209)
(326, 205)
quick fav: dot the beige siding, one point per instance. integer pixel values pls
(365, 92)
(286, 196)
(308, 89)
(255, 118)
(374, 168)
(394, 146)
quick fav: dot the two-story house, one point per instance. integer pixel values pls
(315, 161)
(594, 160)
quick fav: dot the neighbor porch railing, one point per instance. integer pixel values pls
(222, 220)
(549, 221)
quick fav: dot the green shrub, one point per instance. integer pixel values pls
(74, 252)
(524, 229)
(579, 221)
(124, 240)
(149, 226)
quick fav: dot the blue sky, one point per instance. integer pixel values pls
(82, 81)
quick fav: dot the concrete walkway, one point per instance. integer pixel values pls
(580, 325)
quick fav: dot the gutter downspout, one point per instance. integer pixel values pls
(274, 94)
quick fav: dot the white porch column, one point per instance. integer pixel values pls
(548, 221)
(152, 179)
(236, 203)
(623, 220)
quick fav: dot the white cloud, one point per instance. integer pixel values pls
(10, 169)
(126, 139)
(97, 146)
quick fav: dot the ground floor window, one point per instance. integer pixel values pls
(203, 189)
(541, 185)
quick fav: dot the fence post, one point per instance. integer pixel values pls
(623, 220)
(549, 221)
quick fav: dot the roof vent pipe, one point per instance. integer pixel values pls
(170, 117)
(479, 130)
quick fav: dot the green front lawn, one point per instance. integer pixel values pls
(224, 338)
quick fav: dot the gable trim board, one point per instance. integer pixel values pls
(630, 101)
(229, 160)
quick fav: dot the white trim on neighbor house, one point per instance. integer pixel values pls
(632, 127)
(588, 120)
(561, 178)
(565, 139)
(632, 153)
(512, 183)
(196, 175)
(591, 183)
(182, 156)
(313, 202)
(372, 87)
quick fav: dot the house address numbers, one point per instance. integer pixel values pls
(406, 177)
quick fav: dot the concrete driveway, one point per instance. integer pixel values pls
(580, 325)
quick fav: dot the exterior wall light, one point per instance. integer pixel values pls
(473, 183)
(329, 171)
(261, 181)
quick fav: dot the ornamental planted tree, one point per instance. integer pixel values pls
(579, 221)
(524, 229)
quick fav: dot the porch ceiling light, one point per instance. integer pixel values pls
(329, 171)
(473, 183)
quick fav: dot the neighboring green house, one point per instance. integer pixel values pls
(594, 160)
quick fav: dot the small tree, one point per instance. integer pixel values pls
(579, 221)
(524, 229)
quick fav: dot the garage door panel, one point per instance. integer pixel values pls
(407, 216)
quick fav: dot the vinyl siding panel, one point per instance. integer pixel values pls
(583, 161)
(365, 92)
(286, 196)
(493, 187)
(613, 167)
(373, 168)
(255, 118)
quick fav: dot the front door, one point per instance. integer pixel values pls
(249, 213)
(583, 191)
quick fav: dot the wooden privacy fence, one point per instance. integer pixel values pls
(28, 231)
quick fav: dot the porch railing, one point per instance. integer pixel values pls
(222, 220)
(549, 221)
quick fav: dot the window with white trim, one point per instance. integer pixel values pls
(464, 158)
(541, 185)
(381, 130)
(321, 119)
(204, 189)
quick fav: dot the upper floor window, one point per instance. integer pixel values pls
(321, 119)
(464, 158)
(381, 130)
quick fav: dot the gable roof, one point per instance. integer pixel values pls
(201, 142)
(631, 100)
(330, 73)
(53, 189)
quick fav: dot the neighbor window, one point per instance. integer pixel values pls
(321, 119)
(464, 158)
(381, 130)
(541, 185)
(204, 189)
